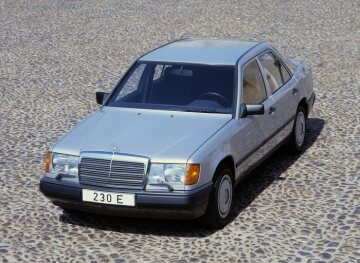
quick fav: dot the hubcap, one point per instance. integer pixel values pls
(300, 128)
(225, 196)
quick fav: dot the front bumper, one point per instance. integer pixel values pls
(176, 204)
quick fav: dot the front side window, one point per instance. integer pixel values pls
(275, 73)
(203, 88)
(253, 85)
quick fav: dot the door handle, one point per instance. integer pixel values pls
(295, 91)
(272, 110)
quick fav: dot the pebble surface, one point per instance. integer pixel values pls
(54, 56)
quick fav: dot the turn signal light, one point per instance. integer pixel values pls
(47, 162)
(192, 174)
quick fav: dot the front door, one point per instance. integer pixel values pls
(253, 130)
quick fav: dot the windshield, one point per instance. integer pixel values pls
(198, 88)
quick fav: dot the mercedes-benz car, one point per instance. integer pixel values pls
(180, 129)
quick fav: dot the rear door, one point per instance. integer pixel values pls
(282, 93)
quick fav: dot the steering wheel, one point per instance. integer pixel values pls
(217, 96)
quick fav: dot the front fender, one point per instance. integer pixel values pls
(211, 153)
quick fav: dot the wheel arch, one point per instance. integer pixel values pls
(227, 161)
(304, 104)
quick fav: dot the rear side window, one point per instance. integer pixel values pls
(275, 73)
(284, 74)
(253, 84)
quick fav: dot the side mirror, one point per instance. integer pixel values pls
(101, 97)
(251, 109)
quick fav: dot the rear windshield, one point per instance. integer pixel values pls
(198, 88)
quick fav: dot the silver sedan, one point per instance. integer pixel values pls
(185, 123)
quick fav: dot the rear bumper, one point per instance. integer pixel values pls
(176, 205)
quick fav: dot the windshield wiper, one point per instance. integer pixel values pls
(209, 110)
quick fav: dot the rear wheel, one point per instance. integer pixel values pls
(297, 136)
(221, 200)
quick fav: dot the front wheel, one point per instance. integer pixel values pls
(221, 200)
(297, 136)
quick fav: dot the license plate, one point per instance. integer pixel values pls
(110, 198)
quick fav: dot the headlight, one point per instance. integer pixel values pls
(63, 164)
(166, 173)
(173, 174)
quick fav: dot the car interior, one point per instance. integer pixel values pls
(195, 86)
(159, 85)
(253, 85)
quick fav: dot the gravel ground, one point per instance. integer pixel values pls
(55, 55)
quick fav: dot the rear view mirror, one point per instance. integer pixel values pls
(101, 97)
(251, 109)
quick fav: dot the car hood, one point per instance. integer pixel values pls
(169, 136)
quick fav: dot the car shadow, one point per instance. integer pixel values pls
(272, 169)
(245, 193)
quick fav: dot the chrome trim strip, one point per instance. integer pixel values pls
(264, 142)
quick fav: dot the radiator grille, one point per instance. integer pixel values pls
(120, 174)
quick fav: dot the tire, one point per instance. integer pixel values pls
(69, 211)
(221, 199)
(296, 141)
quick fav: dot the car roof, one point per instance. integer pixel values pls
(200, 51)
